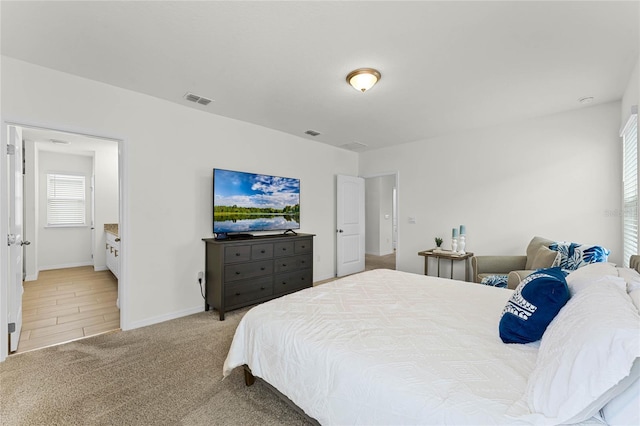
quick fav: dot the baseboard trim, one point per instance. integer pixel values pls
(100, 268)
(33, 277)
(64, 266)
(166, 317)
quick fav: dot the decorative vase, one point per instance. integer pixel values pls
(462, 244)
(454, 245)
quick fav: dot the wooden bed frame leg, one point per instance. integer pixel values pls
(249, 378)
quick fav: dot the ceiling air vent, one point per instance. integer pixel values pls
(312, 132)
(354, 146)
(197, 99)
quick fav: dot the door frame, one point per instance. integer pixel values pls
(123, 227)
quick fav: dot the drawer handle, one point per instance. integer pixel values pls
(110, 249)
(284, 249)
(106, 246)
(262, 269)
(237, 272)
(302, 278)
(237, 294)
(284, 283)
(284, 264)
(304, 246)
(261, 288)
(262, 251)
(116, 253)
(237, 254)
(117, 240)
(302, 262)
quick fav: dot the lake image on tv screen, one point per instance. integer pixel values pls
(245, 202)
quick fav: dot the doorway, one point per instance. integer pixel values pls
(69, 293)
(381, 219)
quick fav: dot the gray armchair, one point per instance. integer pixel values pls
(516, 267)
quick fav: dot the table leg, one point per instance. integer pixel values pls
(426, 265)
(451, 268)
(466, 270)
(438, 266)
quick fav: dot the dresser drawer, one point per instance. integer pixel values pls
(292, 263)
(247, 270)
(247, 291)
(283, 249)
(292, 281)
(305, 246)
(237, 254)
(261, 251)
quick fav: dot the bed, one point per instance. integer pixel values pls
(389, 347)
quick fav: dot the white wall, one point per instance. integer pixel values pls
(170, 151)
(31, 206)
(378, 217)
(557, 176)
(631, 94)
(105, 168)
(63, 247)
(372, 216)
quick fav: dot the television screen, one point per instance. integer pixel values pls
(247, 202)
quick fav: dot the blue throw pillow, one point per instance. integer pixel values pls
(533, 305)
(574, 255)
(496, 280)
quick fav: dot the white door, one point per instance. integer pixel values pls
(15, 238)
(350, 224)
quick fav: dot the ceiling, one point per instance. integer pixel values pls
(446, 66)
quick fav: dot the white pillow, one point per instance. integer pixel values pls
(632, 278)
(624, 409)
(635, 298)
(594, 273)
(588, 349)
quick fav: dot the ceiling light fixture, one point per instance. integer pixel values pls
(363, 79)
(586, 100)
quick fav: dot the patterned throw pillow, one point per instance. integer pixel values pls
(495, 280)
(533, 305)
(574, 255)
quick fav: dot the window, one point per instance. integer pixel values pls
(629, 136)
(65, 200)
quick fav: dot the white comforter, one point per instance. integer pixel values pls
(387, 347)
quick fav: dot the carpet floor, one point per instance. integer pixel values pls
(164, 374)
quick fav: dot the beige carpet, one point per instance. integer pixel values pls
(168, 373)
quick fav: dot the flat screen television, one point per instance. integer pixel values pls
(250, 202)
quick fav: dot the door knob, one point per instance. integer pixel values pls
(25, 243)
(340, 231)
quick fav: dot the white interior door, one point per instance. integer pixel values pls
(15, 238)
(350, 224)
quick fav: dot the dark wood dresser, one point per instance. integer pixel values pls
(242, 272)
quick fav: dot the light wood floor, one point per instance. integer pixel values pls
(68, 304)
(387, 261)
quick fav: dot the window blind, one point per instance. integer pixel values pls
(630, 188)
(65, 200)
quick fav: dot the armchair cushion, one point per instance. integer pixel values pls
(484, 266)
(544, 258)
(532, 250)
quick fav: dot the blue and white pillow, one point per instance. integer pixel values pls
(533, 305)
(574, 255)
(495, 280)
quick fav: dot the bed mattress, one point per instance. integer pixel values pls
(388, 347)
